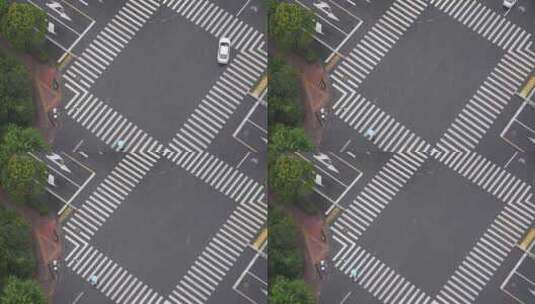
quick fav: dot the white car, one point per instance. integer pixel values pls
(223, 51)
(508, 4)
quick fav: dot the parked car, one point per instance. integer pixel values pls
(223, 51)
(508, 4)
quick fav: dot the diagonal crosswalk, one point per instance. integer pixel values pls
(484, 21)
(114, 281)
(381, 38)
(110, 194)
(111, 41)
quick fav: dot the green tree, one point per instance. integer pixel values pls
(16, 255)
(285, 291)
(4, 5)
(290, 177)
(20, 140)
(284, 94)
(285, 257)
(16, 104)
(24, 26)
(287, 139)
(19, 291)
(291, 26)
(24, 178)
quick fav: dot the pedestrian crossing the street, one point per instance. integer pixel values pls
(384, 34)
(109, 194)
(108, 124)
(110, 41)
(114, 281)
(485, 106)
(379, 279)
(485, 22)
(362, 115)
(482, 262)
(216, 108)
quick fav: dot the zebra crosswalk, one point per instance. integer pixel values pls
(482, 262)
(361, 114)
(109, 194)
(382, 37)
(108, 124)
(221, 253)
(220, 23)
(485, 22)
(110, 41)
(379, 279)
(221, 176)
(478, 115)
(378, 193)
(114, 281)
(490, 177)
(216, 108)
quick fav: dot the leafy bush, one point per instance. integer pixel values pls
(16, 255)
(19, 291)
(283, 94)
(285, 258)
(285, 291)
(16, 104)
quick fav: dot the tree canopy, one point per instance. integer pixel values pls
(16, 105)
(290, 177)
(287, 139)
(291, 25)
(24, 178)
(17, 291)
(286, 291)
(24, 26)
(16, 255)
(283, 94)
(285, 257)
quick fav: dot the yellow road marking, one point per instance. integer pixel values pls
(528, 239)
(332, 216)
(260, 87)
(65, 214)
(528, 87)
(330, 65)
(65, 61)
(260, 239)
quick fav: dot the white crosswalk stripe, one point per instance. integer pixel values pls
(220, 23)
(482, 262)
(239, 77)
(487, 175)
(485, 22)
(380, 280)
(219, 175)
(110, 41)
(110, 193)
(114, 281)
(478, 115)
(216, 108)
(106, 123)
(378, 193)
(384, 34)
(361, 114)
